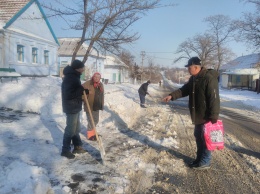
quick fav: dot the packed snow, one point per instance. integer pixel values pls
(32, 125)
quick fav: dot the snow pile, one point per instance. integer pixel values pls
(23, 178)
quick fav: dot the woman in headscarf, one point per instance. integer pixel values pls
(96, 102)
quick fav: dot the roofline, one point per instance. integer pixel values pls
(19, 13)
(236, 73)
(94, 56)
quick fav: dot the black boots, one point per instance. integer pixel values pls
(78, 150)
(67, 154)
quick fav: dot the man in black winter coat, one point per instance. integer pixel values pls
(204, 105)
(72, 91)
(143, 90)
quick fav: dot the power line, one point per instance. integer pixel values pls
(159, 52)
(160, 58)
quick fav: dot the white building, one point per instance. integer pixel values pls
(116, 71)
(94, 63)
(242, 72)
(27, 41)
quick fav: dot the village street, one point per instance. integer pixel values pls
(146, 149)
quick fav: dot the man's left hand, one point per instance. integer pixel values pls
(213, 120)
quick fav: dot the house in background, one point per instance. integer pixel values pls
(243, 72)
(116, 71)
(27, 41)
(95, 62)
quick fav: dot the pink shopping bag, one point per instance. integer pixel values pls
(214, 135)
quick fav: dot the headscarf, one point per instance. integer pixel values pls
(97, 84)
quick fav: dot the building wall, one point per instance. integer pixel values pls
(27, 67)
(116, 74)
(29, 33)
(224, 80)
(239, 81)
(92, 65)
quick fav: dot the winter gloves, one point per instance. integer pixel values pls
(87, 91)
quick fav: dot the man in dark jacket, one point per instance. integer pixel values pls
(72, 91)
(204, 105)
(143, 90)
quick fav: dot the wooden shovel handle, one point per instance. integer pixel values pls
(90, 113)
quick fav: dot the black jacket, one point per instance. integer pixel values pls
(71, 91)
(203, 92)
(143, 89)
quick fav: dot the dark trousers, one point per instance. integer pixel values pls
(71, 132)
(142, 98)
(203, 154)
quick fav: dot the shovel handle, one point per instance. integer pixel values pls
(90, 113)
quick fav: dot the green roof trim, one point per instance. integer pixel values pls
(42, 12)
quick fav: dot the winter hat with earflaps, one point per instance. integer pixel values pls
(77, 64)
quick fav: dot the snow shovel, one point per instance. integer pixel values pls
(99, 140)
(153, 98)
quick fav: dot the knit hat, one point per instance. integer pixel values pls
(148, 81)
(77, 64)
(193, 61)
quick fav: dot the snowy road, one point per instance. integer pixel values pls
(146, 149)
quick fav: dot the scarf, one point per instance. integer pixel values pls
(97, 84)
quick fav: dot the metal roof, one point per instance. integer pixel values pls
(114, 61)
(68, 45)
(243, 62)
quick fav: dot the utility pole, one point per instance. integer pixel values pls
(142, 55)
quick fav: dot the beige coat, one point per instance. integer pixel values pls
(89, 85)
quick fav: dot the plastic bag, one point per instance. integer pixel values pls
(214, 135)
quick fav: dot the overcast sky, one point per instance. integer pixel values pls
(163, 30)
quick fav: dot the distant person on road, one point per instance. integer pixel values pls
(160, 83)
(96, 103)
(204, 104)
(72, 90)
(143, 90)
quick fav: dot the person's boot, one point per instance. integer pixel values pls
(67, 154)
(193, 164)
(78, 150)
(202, 166)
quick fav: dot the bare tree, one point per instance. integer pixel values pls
(249, 27)
(200, 45)
(128, 59)
(221, 32)
(103, 23)
(211, 46)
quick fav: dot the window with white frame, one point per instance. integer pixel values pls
(34, 55)
(46, 57)
(20, 53)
